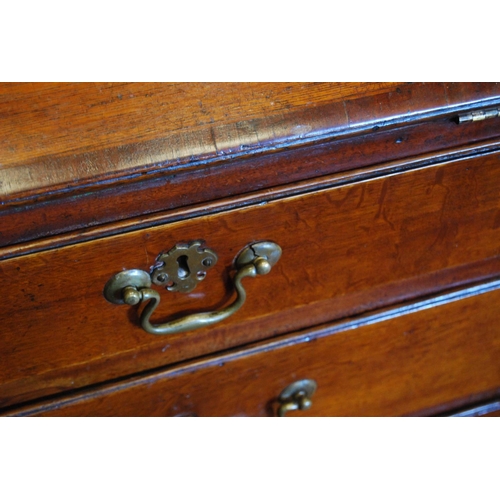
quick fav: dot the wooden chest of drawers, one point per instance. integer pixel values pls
(383, 296)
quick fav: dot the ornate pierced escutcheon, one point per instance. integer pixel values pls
(183, 267)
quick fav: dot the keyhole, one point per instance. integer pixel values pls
(183, 271)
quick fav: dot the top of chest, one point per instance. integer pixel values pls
(73, 156)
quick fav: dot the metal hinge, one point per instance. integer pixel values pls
(476, 116)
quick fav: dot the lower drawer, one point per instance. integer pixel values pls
(421, 358)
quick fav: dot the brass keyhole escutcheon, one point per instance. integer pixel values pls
(183, 266)
(296, 396)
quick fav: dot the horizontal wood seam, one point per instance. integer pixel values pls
(242, 201)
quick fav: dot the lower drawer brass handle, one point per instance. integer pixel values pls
(297, 396)
(133, 287)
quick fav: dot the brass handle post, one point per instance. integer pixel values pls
(296, 396)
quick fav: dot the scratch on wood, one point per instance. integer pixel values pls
(147, 255)
(446, 94)
(214, 141)
(346, 114)
(383, 194)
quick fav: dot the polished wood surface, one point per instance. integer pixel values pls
(346, 249)
(397, 362)
(100, 204)
(72, 151)
(54, 119)
(375, 191)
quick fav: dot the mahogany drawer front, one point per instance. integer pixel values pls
(346, 249)
(444, 350)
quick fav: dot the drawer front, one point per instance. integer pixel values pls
(435, 354)
(346, 249)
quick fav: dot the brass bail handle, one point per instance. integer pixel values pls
(133, 287)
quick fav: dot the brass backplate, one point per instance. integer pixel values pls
(265, 249)
(307, 387)
(113, 290)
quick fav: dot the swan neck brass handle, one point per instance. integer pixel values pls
(197, 320)
(133, 287)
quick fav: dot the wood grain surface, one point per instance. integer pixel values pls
(251, 198)
(173, 190)
(397, 362)
(59, 137)
(53, 119)
(346, 249)
(80, 155)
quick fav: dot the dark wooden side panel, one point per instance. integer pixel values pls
(346, 250)
(397, 362)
